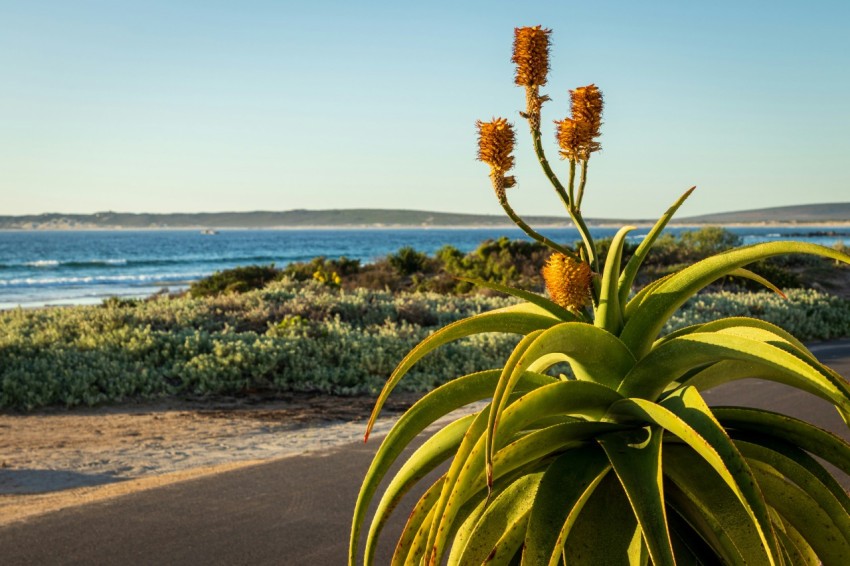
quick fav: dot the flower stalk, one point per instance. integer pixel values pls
(531, 55)
(495, 148)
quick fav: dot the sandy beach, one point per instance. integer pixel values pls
(55, 459)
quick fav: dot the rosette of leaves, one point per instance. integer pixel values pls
(623, 462)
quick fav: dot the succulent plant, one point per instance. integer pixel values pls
(623, 462)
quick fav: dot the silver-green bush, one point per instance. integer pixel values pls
(290, 337)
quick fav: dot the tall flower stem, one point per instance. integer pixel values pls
(503, 200)
(572, 179)
(574, 209)
(589, 246)
(544, 164)
(582, 183)
(574, 212)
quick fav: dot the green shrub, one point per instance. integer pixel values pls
(510, 262)
(236, 280)
(407, 261)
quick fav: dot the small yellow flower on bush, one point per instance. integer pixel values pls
(332, 279)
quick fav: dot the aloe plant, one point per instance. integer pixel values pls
(622, 462)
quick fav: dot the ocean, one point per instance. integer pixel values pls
(40, 268)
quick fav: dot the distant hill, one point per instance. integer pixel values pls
(353, 218)
(802, 214)
(377, 218)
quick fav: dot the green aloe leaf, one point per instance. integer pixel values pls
(553, 308)
(689, 546)
(426, 458)
(747, 274)
(595, 356)
(753, 329)
(448, 506)
(417, 520)
(775, 336)
(649, 318)
(564, 489)
(670, 361)
(609, 315)
(803, 512)
(504, 387)
(507, 549)
(676, 333)
(807, 555)
(719, 373)
(705, 499)
(804, 479)
(546, 361)
(516, 319)
(627, 278)
(799, 458)
(688, 405)
(504, 512)
(465, 529)
(732, 323)
(742, 322)
(795, 555)
(641, 296)
(808, 437)
(527, 450)
(636, 458)
(720, 454)
(618, 542)
(436, 404)
(471, 512)
(419, 545)
(572, 398)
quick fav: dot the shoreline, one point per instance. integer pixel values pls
(378, 227)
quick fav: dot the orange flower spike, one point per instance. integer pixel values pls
(496, 144)
(531, 55)
(586, 105)
(573, 137)
(568, 281)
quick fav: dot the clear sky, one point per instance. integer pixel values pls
(169, 105)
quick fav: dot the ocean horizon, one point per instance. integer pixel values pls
(44, 268)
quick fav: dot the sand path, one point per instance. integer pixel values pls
(55, 459)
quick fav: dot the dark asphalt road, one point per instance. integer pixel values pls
(293, 511)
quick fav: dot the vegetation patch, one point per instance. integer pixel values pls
(291, 336)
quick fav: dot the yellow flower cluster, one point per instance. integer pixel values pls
(333, 279)
(568, 281)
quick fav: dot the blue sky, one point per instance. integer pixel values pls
(166, 106)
